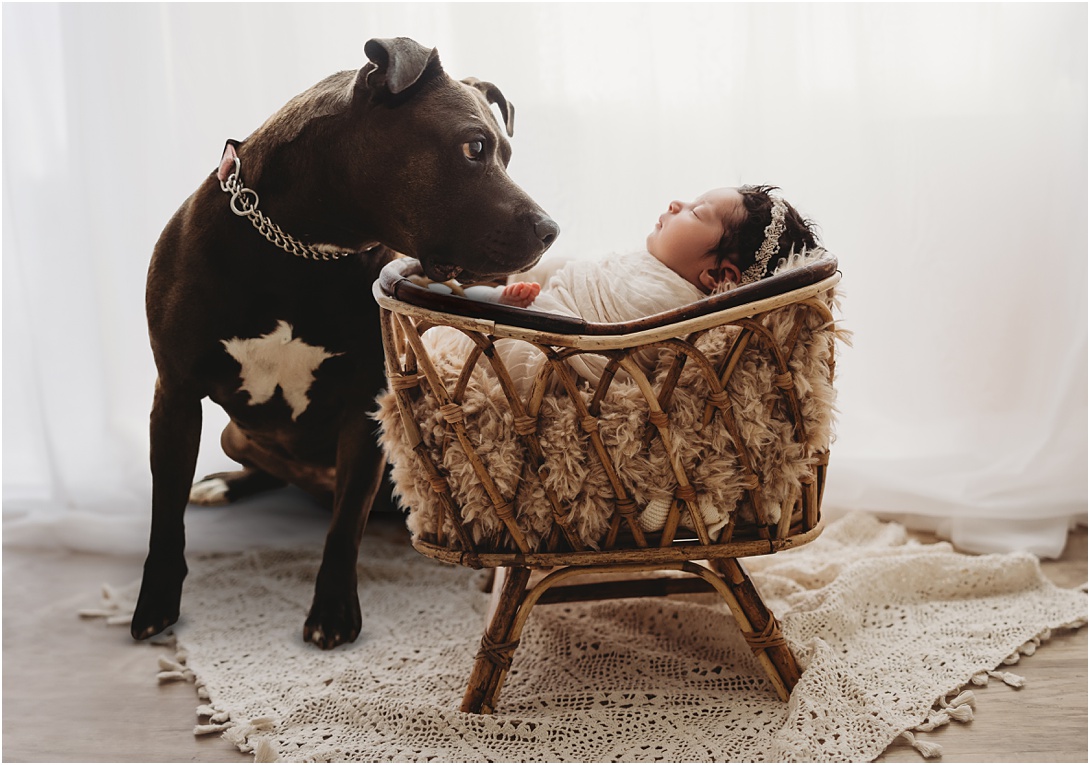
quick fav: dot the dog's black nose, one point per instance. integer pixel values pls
(547, 231)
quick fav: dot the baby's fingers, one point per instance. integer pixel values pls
(520, 294)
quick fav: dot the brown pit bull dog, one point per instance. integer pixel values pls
(259, 297)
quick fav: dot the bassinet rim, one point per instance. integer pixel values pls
(393, 285)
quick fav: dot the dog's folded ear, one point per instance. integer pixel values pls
(398, 63)
(494, 96)
(228, 159)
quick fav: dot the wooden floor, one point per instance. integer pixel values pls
(78, 691)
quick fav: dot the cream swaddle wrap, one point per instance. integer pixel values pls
(618, 288)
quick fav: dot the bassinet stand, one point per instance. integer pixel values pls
(408, 310)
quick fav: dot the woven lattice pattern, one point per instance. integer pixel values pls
(705, 437)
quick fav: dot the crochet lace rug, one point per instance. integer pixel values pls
(889, 632)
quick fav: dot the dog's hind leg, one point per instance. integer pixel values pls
(175, 440)
(224, 488)
(262, 470)
(335, 613)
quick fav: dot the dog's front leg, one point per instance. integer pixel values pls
(335, 614)
(175, 441)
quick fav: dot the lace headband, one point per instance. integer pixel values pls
(771, 244)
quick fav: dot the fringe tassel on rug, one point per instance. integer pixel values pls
(115, 609)
(960, 709)
(264, 750)
(926, 748)
(1011, 679)
(171, 670)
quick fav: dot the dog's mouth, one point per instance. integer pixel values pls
(443, 272)
(487, 270)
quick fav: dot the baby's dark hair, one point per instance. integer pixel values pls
(742, 239)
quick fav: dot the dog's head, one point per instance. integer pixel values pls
(402, 154)
(454, 206)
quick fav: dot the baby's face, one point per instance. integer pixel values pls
(686, 233)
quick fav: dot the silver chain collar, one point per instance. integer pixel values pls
(244, 204)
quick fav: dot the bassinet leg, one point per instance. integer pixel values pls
(496, 652)
(764, 635)
(495, 590)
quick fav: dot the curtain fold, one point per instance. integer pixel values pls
(941, 148)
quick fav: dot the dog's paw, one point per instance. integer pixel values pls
(210, 492)
(330, 624)
(159, 603)
(145, 624)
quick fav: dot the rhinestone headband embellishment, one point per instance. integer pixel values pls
(771, 244)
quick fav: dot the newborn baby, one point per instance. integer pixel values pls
(724, 238)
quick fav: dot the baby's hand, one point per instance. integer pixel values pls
(519, 294)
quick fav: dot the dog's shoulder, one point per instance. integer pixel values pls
(331, 96)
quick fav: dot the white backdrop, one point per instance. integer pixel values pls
(942, 148)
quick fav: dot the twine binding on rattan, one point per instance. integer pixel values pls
(659, 419)
(525, 425)
(626, 507)
(769, 637)
(452, 413)
(404, 382)
(719, 399)
(499, 654)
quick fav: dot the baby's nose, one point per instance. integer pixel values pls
(675, 206)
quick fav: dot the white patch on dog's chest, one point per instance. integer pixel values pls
(277, 360)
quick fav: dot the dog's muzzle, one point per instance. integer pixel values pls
(547, 231)
(488, 266)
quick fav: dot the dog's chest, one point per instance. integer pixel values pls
(277, 362)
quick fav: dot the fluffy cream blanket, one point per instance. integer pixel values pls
(574, 471)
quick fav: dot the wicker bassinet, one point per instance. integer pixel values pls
(720, 453)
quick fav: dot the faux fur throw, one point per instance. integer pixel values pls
(574, 471)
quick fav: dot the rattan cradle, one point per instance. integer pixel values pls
(408, 310)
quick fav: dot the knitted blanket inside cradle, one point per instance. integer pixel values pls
(575, 473)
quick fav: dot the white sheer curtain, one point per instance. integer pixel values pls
(942, 148)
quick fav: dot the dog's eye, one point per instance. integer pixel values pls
(473, 149)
